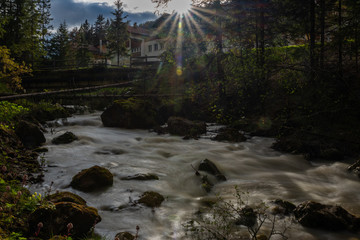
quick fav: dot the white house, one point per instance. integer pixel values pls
(142, 47)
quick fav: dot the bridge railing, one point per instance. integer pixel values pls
(146, 60)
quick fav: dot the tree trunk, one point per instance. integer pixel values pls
(312, 40)
(262, 38)
(322, 20)
(357, 47)
(340, 40)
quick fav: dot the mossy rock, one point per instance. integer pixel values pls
(44, 112)
(151, 199)
(30, 134)
(66, 197)
(283, 207)
(92, 179)
(209, 167)
(125, 236)
(141, 177)
(55, 219)
(130, 113)
(184, 127)
(326, 217)
(65, 138)
(230, 135)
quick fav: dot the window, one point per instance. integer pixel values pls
(161, 46)
(156, 47)
(150, 48)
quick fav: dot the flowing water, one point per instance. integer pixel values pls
(252, 165)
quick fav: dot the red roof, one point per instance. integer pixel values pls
(138, 30)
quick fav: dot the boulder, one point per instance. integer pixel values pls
(55, 220)
(130, 113)
(327, 217)
(66, 197)
(142, 177)
(92, 179)
(230, 135)
(283, 207)
(209, 167)
(247, 217)
(124, 236)
(65, 138)
(151, 199)
(30, 134)
(184, 127)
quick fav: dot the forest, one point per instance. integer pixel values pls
(284, 70)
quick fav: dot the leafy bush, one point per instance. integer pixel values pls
(228, 220)
(10, 111)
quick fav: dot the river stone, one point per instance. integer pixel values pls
(30, 134)
(65, 138)
(124, 236)
(230, 135)
(151, 199)
(184, 127)
(141, 177)
(55, 219)
(92, 179)
(130, 113)
(247, 217)
(327, 217)
(66, 197)
(283, 207)
(209, 167)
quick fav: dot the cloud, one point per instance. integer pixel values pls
(75, 13)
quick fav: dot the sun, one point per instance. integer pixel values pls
(180, 6)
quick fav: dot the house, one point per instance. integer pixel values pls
(142, 47)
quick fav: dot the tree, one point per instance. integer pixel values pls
(117, 32)
(99, 30)
(59, 45)
(23, 24)
(11, 71)
(80, 45)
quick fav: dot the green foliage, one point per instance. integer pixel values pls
(11, 111)
(16, 202)
(11, 71)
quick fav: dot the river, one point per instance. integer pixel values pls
(252, 166)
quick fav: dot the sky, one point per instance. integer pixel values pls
(74, 12)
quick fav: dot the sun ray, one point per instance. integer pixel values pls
(162, 25)
(197, 27)
(173, 25)
(179, 44)
(192, 34)
(206, 19)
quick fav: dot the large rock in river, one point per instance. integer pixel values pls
(54, 221)
(130, 113)
(30, 134)
(229, 134)
(65, 138)
(151, 199)
(333, 218)
(209, 167)
(92, 179)
(184, 127)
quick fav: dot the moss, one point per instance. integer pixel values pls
(65, 138)
(92, 179)
(66, 197)
(151, 199)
